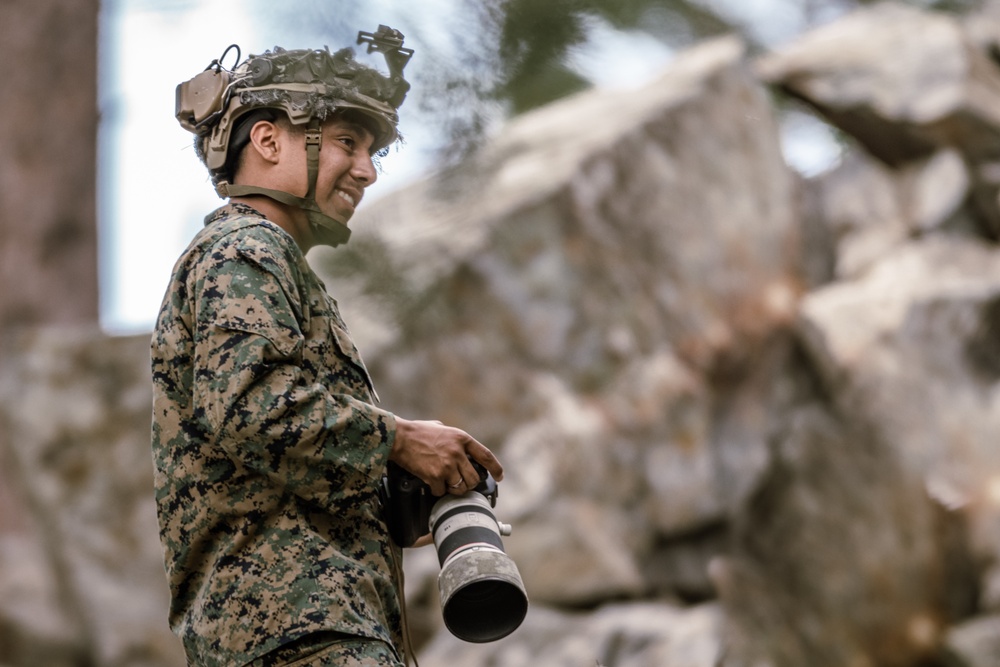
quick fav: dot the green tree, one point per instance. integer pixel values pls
(536, 39)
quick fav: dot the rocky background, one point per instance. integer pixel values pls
(747, 418)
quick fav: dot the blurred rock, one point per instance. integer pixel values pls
(680, 567)
(570, 205)
(744, 420)
(819, 252)
(34, 627)
(596, 265)
(867, 209)
(905, 400)
(76, 411)
(624, 635)
(578, 553)
(839, 543)
(977, 642)
(914, 346)
(860, 205)
(989, 598)
(901, 80)
(932, 190)
(905, 83)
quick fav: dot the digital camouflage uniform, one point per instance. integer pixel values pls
(269, 453)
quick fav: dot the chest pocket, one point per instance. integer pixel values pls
(330, 354)
(345, 348)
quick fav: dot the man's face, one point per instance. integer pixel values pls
(345, 168)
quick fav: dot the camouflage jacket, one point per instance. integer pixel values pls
(268, 452)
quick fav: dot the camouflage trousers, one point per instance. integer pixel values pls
(332, 650)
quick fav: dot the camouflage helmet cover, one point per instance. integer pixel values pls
(306, 84)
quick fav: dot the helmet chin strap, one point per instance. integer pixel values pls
(329, 231)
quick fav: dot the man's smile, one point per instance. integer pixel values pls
(348, 197)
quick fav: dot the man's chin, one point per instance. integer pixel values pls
(340, 214)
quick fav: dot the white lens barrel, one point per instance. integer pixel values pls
(482, 595)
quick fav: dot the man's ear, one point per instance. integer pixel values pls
(265, 139)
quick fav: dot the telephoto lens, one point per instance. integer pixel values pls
(482, 595)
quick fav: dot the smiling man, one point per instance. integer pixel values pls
(274, 155)
(268, 443)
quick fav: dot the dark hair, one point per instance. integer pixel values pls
(240, 137)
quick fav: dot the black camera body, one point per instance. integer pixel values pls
(409, 502)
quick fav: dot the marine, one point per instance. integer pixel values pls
(269, 444)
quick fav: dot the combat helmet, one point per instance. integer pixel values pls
(220, 106)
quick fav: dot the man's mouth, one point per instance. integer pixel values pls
(347, 197)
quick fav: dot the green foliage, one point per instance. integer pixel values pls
(535, 39)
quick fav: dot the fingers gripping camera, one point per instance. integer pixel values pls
(482, 595)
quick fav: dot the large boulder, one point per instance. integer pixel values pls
(915, 346)
(901, 80)
(878, 511)
(622, 635)
(867, 210)
(587, 297)
(905, 83)
(839, 548)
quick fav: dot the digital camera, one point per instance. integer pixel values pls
(482, 595)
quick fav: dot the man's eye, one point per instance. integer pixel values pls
(348, 141)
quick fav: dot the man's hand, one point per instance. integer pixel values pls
(423, 541)
(439, 455)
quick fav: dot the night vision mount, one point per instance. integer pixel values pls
(389, 42)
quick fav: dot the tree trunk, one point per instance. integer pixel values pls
(48, 137)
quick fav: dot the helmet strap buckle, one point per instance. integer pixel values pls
(314, 143)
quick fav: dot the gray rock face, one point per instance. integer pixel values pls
(627, 635)
(87, 584)
(914, 343)
(746, 419)
(598, 298)
(977, 642)
(905, 83)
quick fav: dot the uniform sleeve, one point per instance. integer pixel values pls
(324, 446)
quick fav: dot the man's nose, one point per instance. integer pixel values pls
(363, 170)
